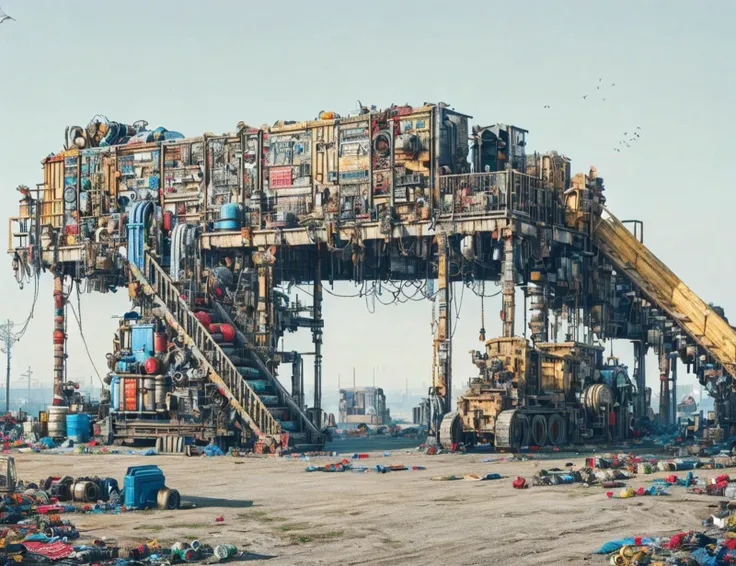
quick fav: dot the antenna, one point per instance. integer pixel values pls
(28, 374)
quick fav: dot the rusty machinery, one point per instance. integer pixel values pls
(213, 230)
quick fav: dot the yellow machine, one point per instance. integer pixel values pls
(542, 394)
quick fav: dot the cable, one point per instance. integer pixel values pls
(81, 332)
(27, 322)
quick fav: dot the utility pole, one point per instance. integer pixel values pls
(7, 339)
(28, 374)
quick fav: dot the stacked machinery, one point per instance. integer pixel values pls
(210, 233)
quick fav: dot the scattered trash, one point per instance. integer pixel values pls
(519, 483)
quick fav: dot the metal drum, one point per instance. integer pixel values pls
(57, 421)
(162, 388)
(149, 392)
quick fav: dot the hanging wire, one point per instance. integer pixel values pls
(78, 318)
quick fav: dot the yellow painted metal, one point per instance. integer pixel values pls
(666, 290)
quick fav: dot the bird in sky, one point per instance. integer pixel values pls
(626, 144)
(4, 16)
(613, 84)
(584, 97)
(638, 127)
(617, 149)
(626, 133)
(603, 99)
(546, 105)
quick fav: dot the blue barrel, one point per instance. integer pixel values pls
(230, 211)
(227, 225)
(77, 427)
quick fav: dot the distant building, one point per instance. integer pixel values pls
(363, 405)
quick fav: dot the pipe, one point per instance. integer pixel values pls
(664, 388)
(509, 304)
(59, 340)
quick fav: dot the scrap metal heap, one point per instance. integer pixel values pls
(210, 234)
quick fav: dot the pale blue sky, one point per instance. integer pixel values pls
(197, 66)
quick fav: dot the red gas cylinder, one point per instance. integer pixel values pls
(203, 317)
(151, 366)
(228, 332)
(160, 342)
(168, 215)
(58, 336)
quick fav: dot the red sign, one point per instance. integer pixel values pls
(280, 177)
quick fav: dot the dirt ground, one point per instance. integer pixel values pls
(278, 512)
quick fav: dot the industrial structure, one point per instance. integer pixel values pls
(363, 405)
(203, 231)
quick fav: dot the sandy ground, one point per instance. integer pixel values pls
(277, 511)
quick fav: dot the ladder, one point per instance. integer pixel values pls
(157, 285)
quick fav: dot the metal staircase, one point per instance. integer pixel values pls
(220, 369)
(301, 427)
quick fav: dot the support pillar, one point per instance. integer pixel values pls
(59, 340)
(537, 309)
(664, 388)
(317, 340)
(640, 407)
(442, 351)
(509, 282)
(673, 373)
(297, 381)
(264, 260)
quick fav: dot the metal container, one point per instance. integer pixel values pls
(85, 491)
(77, 427)
(57, 421)
(149, 392)
(115, 393)
(225, 551)
(162, 388)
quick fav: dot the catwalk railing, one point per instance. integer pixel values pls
(242, 397)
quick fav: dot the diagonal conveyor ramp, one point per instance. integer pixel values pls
(666, 290)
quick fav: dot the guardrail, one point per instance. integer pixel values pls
(257, 414)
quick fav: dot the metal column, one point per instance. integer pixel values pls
(317, 339)
(59, 340)
(664, 387)
(509, 281)
(640, 350)
(673, 373)
(537, 309)
(442, 351)
(264, 332)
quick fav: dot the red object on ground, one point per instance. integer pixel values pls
(637, 541)
(609, 494)
(676, 540)
(519, 483)
(203, 317)
(722, 478)
(730, 543)
(671, 479)
(53, 550)
(219, 519)
(151, 366)
(640, 491)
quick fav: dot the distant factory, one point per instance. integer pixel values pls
(363, 405)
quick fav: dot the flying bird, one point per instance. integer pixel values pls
(613, 84)
(599, 79)
(626, 144)
(546, 105)
(626, 133)
(604, 99)
(638, 127)
(584, 97)
(4, 16)
(616, 149)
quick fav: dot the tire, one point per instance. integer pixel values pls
(539, 430)
(520, 433)
(556, 430)
(168, 499)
